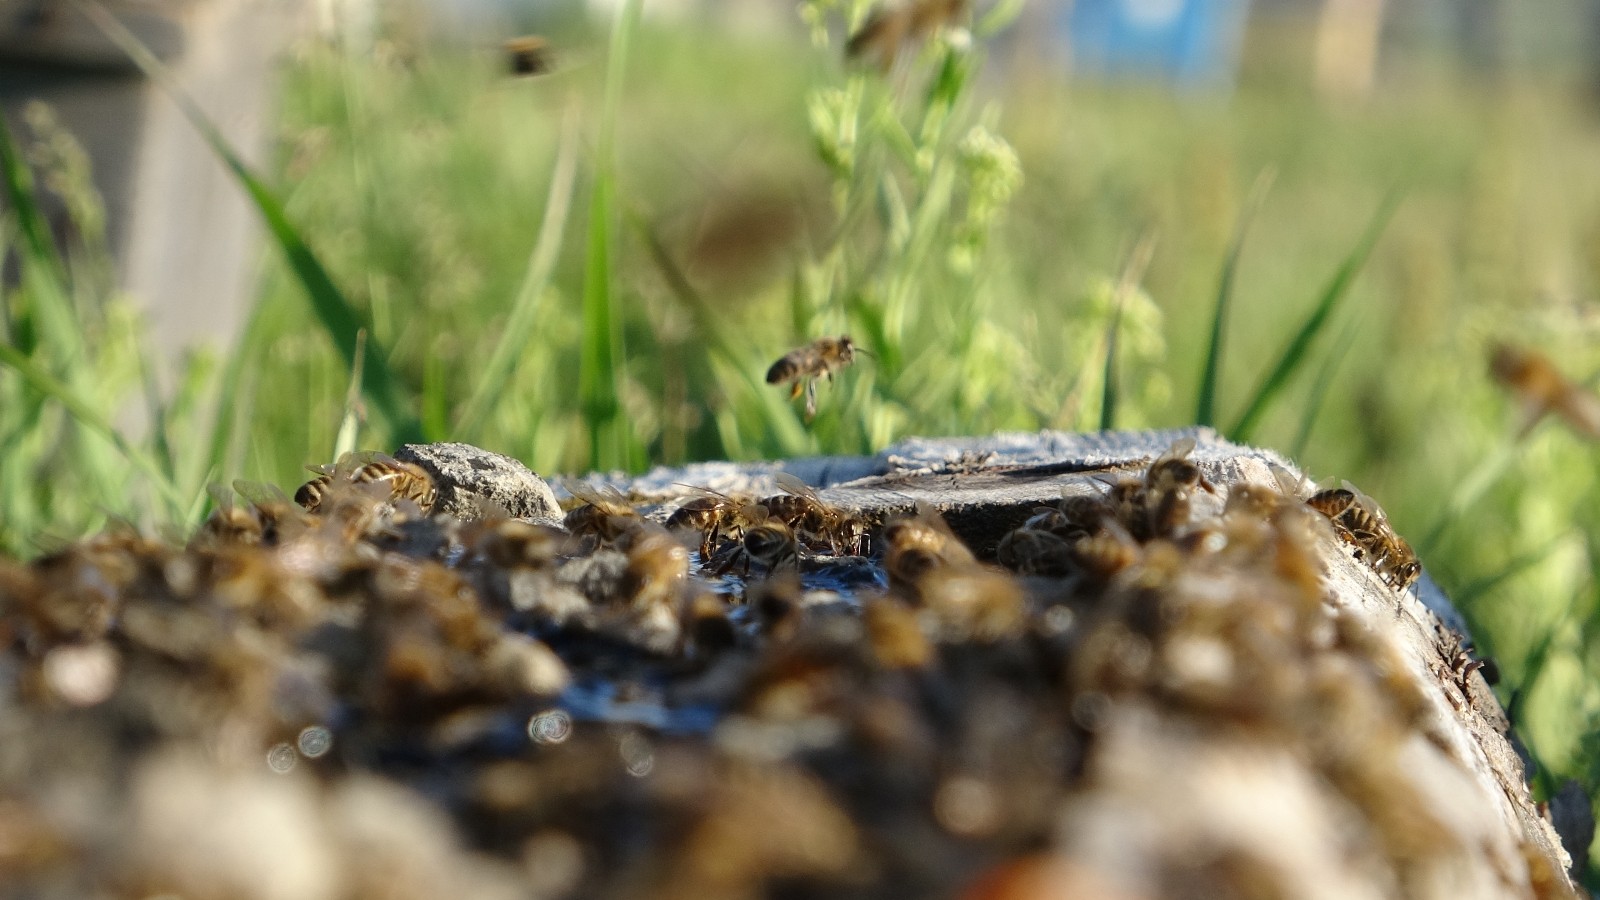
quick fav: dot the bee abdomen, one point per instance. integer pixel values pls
(785, 369)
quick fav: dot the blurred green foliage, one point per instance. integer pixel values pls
(533, 256)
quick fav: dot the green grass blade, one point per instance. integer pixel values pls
(350, 422)
(1295, 353)
(1206, 406)
(1108, 387)
(89, 417)
(1319, 389)
(338, 317)
(600, 375)
(535, 280)
(1132, 276)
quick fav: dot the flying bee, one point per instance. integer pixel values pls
(714, 515)
(770, 543)
(802, 367)
(1541, 389)
(603, 512)
(1360, 522)
(529, 54)
(810, 517)
(896, 25)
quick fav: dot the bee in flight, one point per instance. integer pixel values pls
(802, 366)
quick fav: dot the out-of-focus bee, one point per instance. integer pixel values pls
(229, 522)
(515, 544)
(770, 543)
(405, 481)
(276, 512)
(1169, 484)
(714, 515)
(813, 519)
(603, 513)
(1360, 522)
(802, 366)
(1542, 390)
(894, 25)
(1035, 551)
(658, 569)
(529, 54)
(919, 544)
(1107, 552)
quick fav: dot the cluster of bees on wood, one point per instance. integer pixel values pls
(933, 730)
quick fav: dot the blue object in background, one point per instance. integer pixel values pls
(1190, 42)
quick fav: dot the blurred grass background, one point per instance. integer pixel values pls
(967, 222)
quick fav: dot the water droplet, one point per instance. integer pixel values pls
(637, 754)
(315, 741)
(550, 727)
(282, 758)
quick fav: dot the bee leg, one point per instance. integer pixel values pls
(798, 386)
(811, 398)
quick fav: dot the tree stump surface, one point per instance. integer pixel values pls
(1458, 764)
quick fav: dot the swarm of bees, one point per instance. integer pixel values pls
(802, 366)
(607, 691)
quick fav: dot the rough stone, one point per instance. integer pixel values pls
(472, 481)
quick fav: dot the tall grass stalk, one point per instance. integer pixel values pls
(525, 307)
(1206, 404)
(339, 318)
(602, 372)
(1296, 352)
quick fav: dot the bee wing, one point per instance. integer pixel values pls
(592, 494)
(789, 484)
(1366, 503)
(1289, 483)
(351, 461)
(260, 493)
(703, 492)
(1580, 409)
(1180, 449)
(221, 496)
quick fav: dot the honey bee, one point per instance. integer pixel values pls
(1169, 484)
(1360, 522)
(658, 569)
(919, 544)
(1543, 390)
(1035, 551)
(529, 54)
(811, 518)
(895, 25)
(405, 481)
(714, 515)
(229, 523)
(770, 543)
(604, 513)
(514, 544)
(802, 367)
(1107, 552)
